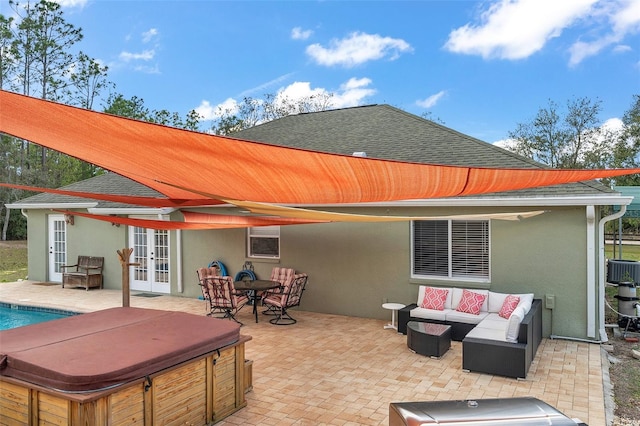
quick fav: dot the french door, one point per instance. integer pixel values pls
(151, 252)
(57, 240)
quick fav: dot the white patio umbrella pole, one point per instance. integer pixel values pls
(124, 255)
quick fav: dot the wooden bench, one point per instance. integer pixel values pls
(87, 272)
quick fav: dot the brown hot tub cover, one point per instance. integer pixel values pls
(97, 350)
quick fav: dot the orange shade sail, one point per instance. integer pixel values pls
(177, 162)
(195, 221)
(119, 198)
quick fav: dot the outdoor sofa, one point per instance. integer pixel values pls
(500, 335)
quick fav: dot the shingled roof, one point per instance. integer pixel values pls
(108, 183)
(386, 132)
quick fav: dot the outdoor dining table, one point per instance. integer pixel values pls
(253, 288)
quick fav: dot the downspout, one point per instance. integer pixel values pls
(23, 213)
(623, 210)
(179, 258)
(591, 272)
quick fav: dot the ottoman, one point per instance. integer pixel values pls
(428, 339)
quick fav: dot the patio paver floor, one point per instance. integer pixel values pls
(339, 370)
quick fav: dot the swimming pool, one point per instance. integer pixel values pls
(12, 316)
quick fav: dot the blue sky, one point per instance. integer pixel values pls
(479, 66)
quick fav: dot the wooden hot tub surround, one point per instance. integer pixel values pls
(165, 368)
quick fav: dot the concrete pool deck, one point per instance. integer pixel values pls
(339, 370)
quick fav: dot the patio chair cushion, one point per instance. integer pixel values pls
(454, 316)
(494, 321)
(471, 302)
(430, 314)
(513, 329)
(434, 298)
(510, 304)
(496, 334)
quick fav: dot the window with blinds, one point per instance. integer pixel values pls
(451, 249)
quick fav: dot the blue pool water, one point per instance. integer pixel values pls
(12, 316)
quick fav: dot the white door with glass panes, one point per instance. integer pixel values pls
(57, 247)
(151, 253)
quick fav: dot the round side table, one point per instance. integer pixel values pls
(393, 307)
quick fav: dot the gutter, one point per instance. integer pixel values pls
(132, 210)
(34, 206)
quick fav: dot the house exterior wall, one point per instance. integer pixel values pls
(37, 245)
(88, 237)
(355, 267)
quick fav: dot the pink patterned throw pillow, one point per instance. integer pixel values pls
(471, 302)
(509, 305)
(434, 298)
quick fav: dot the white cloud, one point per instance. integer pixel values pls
(210, 112)
(351, 93)
(622, 48)
(147, 69)
(624, 19)
(431, 100)
(505, 143)
(612, 125)
(147, 36)
(357, 49)
(298, 90)
(72, 3)
(146, 55)
(299, 34)
(516, 29)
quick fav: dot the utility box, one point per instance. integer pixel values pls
(549, 301)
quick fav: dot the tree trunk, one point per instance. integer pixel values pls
(5, 226)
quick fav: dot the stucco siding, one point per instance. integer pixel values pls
(88, 237)
(355, 267)
(37, 245)
(546, 256)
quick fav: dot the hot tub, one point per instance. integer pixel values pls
(121, 366)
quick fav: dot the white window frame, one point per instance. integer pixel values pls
(270, 232)
(464, 252)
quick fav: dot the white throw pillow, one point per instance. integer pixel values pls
(496, 300)
(513, 329)
(525, 300)
(447, 303)
(420, 294)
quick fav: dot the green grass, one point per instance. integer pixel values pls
(629, 252)
(13, 264)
